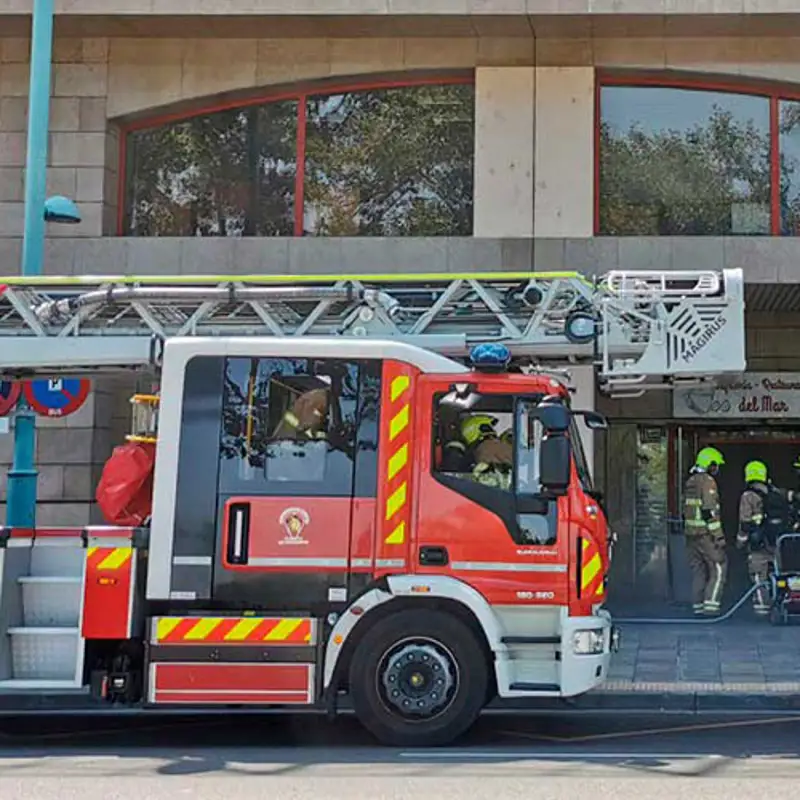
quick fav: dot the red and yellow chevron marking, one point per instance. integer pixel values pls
(396, 441)
(108, 558)
(591, 570)
(233, 630)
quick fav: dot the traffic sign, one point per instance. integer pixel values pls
(57, 398)
(9, 394)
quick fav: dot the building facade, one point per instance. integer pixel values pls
(383, 136)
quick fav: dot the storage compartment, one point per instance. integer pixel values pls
(235, 684)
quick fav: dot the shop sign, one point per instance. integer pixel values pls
(755, 395)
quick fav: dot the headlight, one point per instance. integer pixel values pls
(590, 642)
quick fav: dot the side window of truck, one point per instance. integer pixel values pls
(288, 426)
(476, 445)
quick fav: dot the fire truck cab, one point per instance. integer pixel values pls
(431, 590)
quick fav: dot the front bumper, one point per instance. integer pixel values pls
(583, 671)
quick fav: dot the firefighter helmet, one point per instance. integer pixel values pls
(755, 471)
(477, 427)
(709, 456)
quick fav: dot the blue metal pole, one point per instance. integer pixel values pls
(22, 478)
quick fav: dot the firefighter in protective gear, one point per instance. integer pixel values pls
(794, 498)
(704, 536)
(493, 458)
(751, 531)
(307, 417)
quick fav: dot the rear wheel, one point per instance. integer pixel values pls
(418, 678)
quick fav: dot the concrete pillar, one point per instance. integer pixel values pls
(504, 134)
(564, 163)
(583, 399)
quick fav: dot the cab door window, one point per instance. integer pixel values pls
(288, 426)
(476, 445)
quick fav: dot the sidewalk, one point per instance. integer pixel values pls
(690, 666)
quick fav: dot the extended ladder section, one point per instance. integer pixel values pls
(641, 329)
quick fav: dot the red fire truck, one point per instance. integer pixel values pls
(362, 490)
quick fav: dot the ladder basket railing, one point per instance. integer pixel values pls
(144, 418)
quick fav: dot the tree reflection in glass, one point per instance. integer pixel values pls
(680, 162)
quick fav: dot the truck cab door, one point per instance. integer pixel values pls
(297, 479)
(490, 532)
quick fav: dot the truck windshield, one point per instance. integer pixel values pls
(581, 462)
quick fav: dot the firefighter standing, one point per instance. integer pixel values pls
(704, 536)
(755, 531)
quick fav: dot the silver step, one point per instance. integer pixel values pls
(46, 654)
(14, 685)
(51, 601)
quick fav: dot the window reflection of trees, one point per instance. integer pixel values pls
(226, 174)
(394, 162)
(700, 177)
(388, 162)
(789, 126)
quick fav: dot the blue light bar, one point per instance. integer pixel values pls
(494, 356)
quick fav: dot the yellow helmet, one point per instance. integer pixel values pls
(755, 471)
(708, 456)
(477, 427)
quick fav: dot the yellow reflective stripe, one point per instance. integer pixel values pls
(398, 461)
(690, 501)
(209, 280)
(291, 419)
(714, 526)
(203, 627)
(91, 551)
(165, 627)
(241, 630)
(591, 569)
(399, 385)
(397, 536)
(396, 501)
(116, 559)
(284, 629)
(399, 423)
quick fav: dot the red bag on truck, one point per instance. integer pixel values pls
(125, 491)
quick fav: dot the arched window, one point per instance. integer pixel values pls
(379, 161)
(696, 160)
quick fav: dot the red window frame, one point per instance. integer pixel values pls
(774, 93)
(301, 95)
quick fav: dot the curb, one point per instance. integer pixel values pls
(663, 701)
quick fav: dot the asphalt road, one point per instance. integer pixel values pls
(555, 756)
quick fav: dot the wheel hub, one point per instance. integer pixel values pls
(418, 679)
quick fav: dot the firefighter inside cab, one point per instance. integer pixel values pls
(765, 513)
(705, 538)
(478, 450)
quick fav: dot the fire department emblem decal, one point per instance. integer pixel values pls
(294, 522)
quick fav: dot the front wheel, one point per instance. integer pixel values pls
(418, 678)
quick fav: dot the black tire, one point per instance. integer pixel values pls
(449, 645)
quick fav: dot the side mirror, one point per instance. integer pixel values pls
(553, 416)
(555, 464)
(593, 420)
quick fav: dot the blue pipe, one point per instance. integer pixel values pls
(22, 478)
